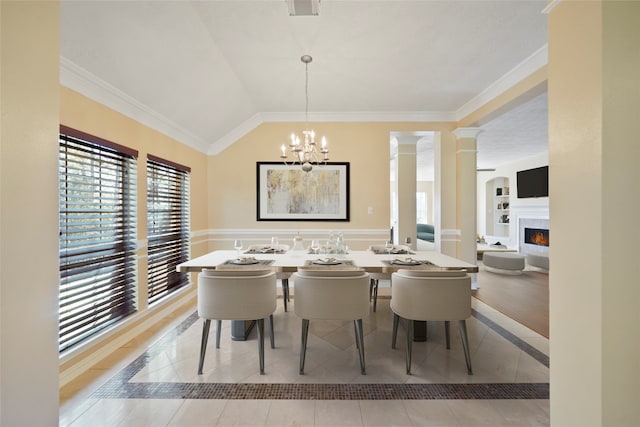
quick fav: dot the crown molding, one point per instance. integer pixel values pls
(91, 86)
(527, 67)
(235, 134)
(469, 132)
(343, 117)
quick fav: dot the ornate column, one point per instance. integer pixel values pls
(466, 189)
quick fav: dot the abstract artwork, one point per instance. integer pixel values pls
(286, 193)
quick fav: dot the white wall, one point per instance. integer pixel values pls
(533, 207)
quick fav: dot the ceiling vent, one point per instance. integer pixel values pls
(303, 7)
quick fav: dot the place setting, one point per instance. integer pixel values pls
(390, 248)
(264, 250)
(273, 248)
(329, 261)
(247, 261)
(407, 261)
(240, 260)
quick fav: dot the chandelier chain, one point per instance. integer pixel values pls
(306, 94)
(304, 150)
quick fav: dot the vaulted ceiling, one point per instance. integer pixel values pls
(206, 72)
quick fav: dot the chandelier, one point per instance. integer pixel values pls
(304, 151)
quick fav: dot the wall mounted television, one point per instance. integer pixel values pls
(533, 182)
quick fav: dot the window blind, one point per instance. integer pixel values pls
(168, 226)
(97, 204)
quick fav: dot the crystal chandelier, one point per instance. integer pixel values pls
(305, 152)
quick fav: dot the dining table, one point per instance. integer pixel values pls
(291, 260)
(372, 261)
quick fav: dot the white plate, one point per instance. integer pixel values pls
(327, 262)
(401, 262)
(245, 261)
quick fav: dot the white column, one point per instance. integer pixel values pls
(405, 180)
(594, 99)
(466, 189)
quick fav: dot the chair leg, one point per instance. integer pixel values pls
(303, 346)
(360, 341)
(409, 342)
(355, 329)
(261, 344)
(272, 332)
(285, 293)
(447, 335)
(396, 320)
(203, 344)
(375, 296)
(462, 324)
(218, 329)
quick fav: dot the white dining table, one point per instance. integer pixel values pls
(289, 262)
(366, 259)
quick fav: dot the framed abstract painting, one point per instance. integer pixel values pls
(286, 193)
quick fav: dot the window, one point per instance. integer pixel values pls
(421, 208)
(167, 226)
(97, 204)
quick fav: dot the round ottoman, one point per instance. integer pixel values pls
(538, 260)
(503, 262)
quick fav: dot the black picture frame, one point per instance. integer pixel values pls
(286, 193)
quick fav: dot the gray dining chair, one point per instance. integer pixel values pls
(425, 295)
(376, 277)
(332, 294)
(236, 294)
(280, 275)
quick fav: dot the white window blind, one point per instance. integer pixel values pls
(168, 226)
(97, 204)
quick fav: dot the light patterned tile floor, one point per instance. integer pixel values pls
(158, 384)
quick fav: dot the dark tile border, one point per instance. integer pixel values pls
(513, 339)
(119, 386)
(285, 391)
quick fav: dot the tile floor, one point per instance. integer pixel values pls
(157, 384)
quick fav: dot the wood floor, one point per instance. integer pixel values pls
(524, 298)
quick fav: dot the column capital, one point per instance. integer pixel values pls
(406, 138)
(470, 132)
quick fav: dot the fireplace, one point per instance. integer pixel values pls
(533, 236)
(536, 236)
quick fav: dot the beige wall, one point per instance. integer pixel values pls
(594, 99)
(81, 113)
(29, 209)
(232, 178)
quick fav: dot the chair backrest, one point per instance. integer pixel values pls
(236, 294)
(331, 294)
(431, 295)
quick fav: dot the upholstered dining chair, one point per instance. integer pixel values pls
(236, 294)
(431, 295)
(332, 294)
(376, 277)
(282, 276)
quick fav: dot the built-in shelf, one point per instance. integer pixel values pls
(498, 202)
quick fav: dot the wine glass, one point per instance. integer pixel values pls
(388, 245)
(315, 246)
(274, 243)
(237, 244)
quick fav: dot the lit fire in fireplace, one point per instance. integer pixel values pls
(536, 236)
